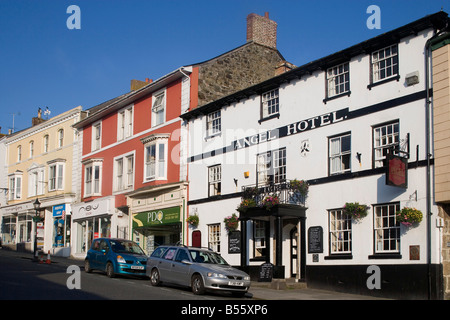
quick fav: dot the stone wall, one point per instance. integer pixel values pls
(238, 69)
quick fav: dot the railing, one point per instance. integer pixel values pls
(285, 192)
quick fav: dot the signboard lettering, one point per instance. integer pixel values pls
(315, 240)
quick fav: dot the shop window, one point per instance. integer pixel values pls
(9, 230)
(386, 228)
(25, 223)
(340, 229)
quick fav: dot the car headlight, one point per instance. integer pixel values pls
(247, 278)
(216, 275)
(120, 259)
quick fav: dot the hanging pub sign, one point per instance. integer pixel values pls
(397, 171)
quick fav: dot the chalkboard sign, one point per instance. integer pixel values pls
(265, 272)
(315, 240)
(234, 242)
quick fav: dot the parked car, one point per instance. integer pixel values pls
(116, 256)
(198, 268)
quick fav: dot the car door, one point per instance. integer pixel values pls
(92, 254)
(180, 270)
(102, 255)
(164, 265)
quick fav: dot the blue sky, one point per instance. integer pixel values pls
(44, 64)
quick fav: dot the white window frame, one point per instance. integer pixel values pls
(270, 103)
(215, 180)
(19, 153)
(155, 169)
(90, 167)
(337, 155)
(386, 228)
(271, 166)
(125, 123)
(340, 228)
(124, 180)
(214, 123)
(60, 138)
(338, 80)
(385, 136)
(15, 185)
(385, 61)
(46, 142)
(31, 148)
(56, 170)
(96, 136)
(36, 183)
(159, 107)
(214, 237)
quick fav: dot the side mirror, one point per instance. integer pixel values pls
(184, 261)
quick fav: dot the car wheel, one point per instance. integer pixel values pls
(154, 278)
(110, 270)
(197, 284)
(87, 266)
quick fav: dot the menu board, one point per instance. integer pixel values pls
(234, 242)
(315, 239)
(265, 272)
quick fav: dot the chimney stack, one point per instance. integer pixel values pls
(37, 120)
(262, 30)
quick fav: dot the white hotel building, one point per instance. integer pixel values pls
(331, 122)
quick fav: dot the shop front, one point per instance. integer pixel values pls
(17, 227)
(158, 215)
(91, 220)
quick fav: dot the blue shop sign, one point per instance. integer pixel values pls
(59, 210)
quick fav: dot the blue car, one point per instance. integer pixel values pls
(116, 256)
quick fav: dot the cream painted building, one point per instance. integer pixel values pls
(42, 162)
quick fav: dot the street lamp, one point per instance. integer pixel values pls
(37, 206)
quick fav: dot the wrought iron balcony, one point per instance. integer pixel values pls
(287, 192)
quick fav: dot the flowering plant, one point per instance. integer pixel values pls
(408, 216)
(231, 222)
(300, 186)
(269, 202)
(245, 204)
(193, 220)
(355, 210)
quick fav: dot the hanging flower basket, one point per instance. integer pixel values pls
(356, 210)
(193, 220)
(409, 216)
(300, 186)
(245, 204)
(231, 222)
(270, 201)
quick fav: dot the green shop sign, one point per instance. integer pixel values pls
(156, 217)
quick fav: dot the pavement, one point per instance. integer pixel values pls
(275, 290)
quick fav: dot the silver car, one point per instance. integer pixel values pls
(198, 268)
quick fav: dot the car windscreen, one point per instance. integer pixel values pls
(126, 247)
(201, 256)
